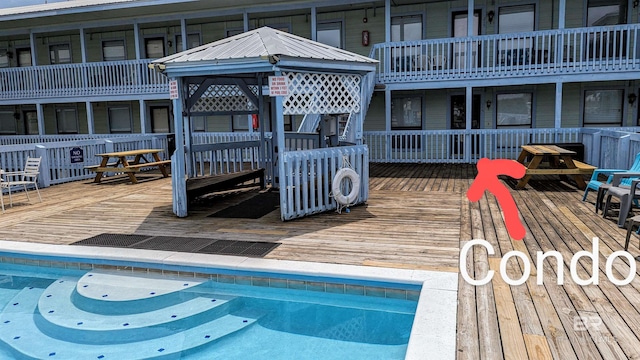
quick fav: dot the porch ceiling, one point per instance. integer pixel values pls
(104, 12)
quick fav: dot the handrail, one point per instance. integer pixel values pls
(82, 79)
(548, 52)
(604, 147)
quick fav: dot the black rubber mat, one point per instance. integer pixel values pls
(253, 208)
(170, 243)
(113, 240)
(244, 248)
(181, 244)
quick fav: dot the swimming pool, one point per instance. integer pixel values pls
(108, 304)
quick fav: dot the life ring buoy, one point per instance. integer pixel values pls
(336, 186)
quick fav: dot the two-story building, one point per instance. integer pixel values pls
(81, 66)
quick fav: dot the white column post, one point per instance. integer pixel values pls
(245, 21)
(178, 181)
(185, 36)
(387, 20)
(387, 116)
(34, 48)
(279, 139)
(562, 13)
(90, 118)
(143, 116)
(557, 123)
(40, 114)
(83, 46)
(314, 23)
(136, 37)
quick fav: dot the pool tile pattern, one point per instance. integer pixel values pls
(261, 281)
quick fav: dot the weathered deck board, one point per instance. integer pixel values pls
(417, 217)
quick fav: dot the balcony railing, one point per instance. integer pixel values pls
(82, 79)
(579, 50)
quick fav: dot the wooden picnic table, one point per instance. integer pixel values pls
(130, 167)
(561, 162)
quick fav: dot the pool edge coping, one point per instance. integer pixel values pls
(434, 328)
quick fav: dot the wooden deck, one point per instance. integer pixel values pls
(417, 217)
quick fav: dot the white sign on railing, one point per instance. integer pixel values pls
(278, 86)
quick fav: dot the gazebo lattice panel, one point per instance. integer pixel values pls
(222, 98)
(312, 93)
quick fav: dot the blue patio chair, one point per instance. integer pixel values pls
(594, 184)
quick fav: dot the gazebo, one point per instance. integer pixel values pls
(265, 75)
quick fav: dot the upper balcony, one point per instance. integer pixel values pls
(99, 79)
(577, 54)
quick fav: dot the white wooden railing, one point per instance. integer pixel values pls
(82, 79)
(33, 139)
(306, 187)
(224, 158)
(611, 148)
(605, 148)
(549, 52)
(56, 156)
(449, 145)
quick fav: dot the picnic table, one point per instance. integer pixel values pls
(561, 162)
(121, 164)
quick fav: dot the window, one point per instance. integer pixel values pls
(67, 120)
(30, 122)
(288, 122)
(193, 40)
(7, 123)
(239, 123)
(24, 57)
(199, 123)
(119, 119)
(233, 32)
(606, 12)
(603, 107)
(611, 43)
(459, 56)
(154, 47)
(113, 50)
(406, 113)
(330, 33)
(59, 54)
(406, 28)
(160, 119)
(514, 110)
(4, 58)
(512, 19)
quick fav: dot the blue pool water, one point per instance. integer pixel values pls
(107, 314)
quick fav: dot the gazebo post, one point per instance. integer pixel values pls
(261, 124)
(178, 182)
(279, 139)
(186, 125)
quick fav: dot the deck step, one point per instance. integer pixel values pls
(59, 313)
(19, 330)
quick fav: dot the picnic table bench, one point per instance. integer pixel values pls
(130, 167)
(561, 162)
